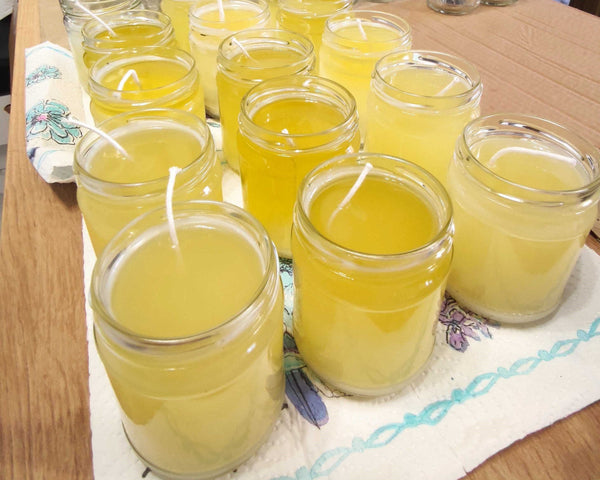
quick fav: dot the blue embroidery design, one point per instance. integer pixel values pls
(45, 72)
(435, 412)
(462, 324)
(48, 120)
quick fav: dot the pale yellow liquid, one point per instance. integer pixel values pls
(231, 89)
(158, 88)
(204, 43)
(348, 57)
(512, 263)
(420, 135)
(368, 330)
(199, 413)
(151, 152)
(178, 11)
(271, 176)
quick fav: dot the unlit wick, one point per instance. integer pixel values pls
(173, 171)
(131, 73)
(221, 10)
(95, 17)
(363, 34)
(101, 133)
(359, 181)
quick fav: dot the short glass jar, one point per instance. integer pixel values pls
(525, 193)
(246, 58)
(453, 7)
(199, 380)
(210, 23)
(418, 105)
(113, 189)
(372, 247)
(145, 77)
(287, 126)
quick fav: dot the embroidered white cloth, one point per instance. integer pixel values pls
(485, 387)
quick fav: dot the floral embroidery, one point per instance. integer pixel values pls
(42, 73)
(461, 324)
(48, 120)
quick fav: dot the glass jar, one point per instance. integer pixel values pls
(418, 106)
(372, 247)
(146, 77)
(113, 189)
(246, 58)
(74, 17)
(353, 41)
(130, 29)
(287, 126)
(453, 7)
(199, 380)
(209, 26)
(178, 11)
(525, 193)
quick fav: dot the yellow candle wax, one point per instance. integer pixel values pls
(288, 125)
(353, 41)
(146, 77)
(370, 269)
(209, 25)
(524, 203)
(113, 188)
(199, 380)
(418, 105)
(178, 11)
(247, 58)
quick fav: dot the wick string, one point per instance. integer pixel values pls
(363, 34)
(173, 171)
(101, 133)
(131, 73)
(95, 17)
(359, 181)
(241, 47)
(221, 10)
(502, 151)
(447, 87)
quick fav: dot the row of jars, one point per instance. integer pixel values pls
(187, 297)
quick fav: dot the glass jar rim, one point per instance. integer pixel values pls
(384, 18)
(416, 175)
(71, 9)
(141, 116)
(530, 125)
(300, 7)
(229, 328)
(217, 27)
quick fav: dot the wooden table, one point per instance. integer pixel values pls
(537, 57)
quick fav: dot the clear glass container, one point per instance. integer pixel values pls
(209, 26)
(179, 11)
(525, 193)
(246, 58)
(418, 106)
(145, 77)
(113, 188)
(453, 7)
(287, 126)
(372, 247)
(199, 381)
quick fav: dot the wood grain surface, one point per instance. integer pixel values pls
(537, 57)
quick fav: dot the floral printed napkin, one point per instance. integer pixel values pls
(52, 94)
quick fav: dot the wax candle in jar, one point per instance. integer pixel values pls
(117, 183)
(308, 16)
(372, 247)
(145, 77)
(178, 11)
(353, 41)
(199, 380)
(210, 23)
(287, 126)
(117, 32)
(74, 17)
(525, 193)
(418, 105)
(246, 58)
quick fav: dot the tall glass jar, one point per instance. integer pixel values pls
(130, 29)
(74, 17)
(418, 105)
(116, 186)
(353, 41)
(209, 26)
(145, 77)
(525, 193)
(178, 11)
(245, 59)
(287, 126)
(372, 247)
(199, 380)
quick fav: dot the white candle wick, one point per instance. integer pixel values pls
(447, 87)
(131, 73)
(173, 171)
(101, 133)
(359, 181)
(241, 47)
(221, 10)
(363, 34)
(95, 17)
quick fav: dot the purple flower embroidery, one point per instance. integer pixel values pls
(462, 324)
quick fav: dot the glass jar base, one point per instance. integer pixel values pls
(452, 8)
